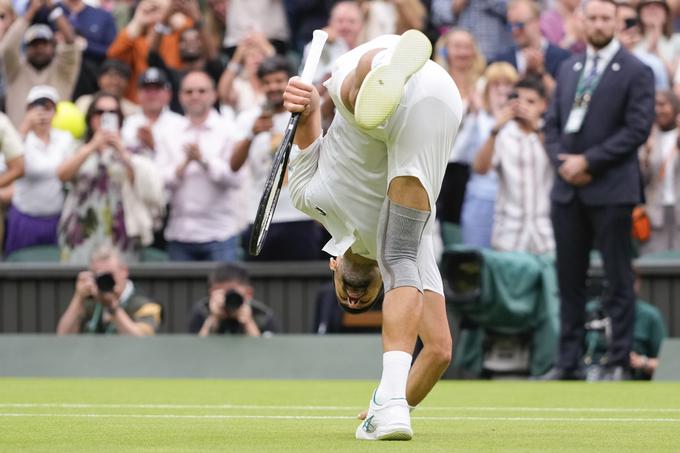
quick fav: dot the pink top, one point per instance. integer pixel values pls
(203, 204)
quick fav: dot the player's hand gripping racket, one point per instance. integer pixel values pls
(272, 188)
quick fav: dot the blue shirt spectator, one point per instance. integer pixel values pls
(97, 26)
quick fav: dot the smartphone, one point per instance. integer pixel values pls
(109, 122)
(630, 22)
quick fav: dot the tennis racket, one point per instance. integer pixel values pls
(265, 211)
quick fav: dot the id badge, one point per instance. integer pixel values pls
(575, 120)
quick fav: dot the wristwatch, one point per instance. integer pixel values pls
(162, 29)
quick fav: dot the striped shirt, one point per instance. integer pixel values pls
(522, 221)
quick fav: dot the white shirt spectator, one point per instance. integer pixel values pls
(204, 203)
(167, 121)
(39, 192)
(259, 165)
(522, 221)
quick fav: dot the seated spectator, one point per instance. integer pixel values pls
(38, 196)
(265, 16)
(215, 19)
(105, 300)
(96, 30)
(484, 19)
(230, 307)
(292, 235)
(11, 166)
(661, 176)
(113, 78)
(12, 150)
(345, 28)
(115, 196)
(195, 50)
(239, 87)
(7, 17)
(658, 38)
(43, 63)
(562, 25)
(386, 17)
(531, 53)
(132, 43)
(515, 150)
(481, 190)
(142, 130)
(458, 53)
(628, 33)
(205, 221)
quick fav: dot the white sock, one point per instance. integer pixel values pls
(396, 365)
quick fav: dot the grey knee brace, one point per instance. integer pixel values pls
(399, 233)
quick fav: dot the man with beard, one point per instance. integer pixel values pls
(44, 62)
(293, 236)
(602, 111)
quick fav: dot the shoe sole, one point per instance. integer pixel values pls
(381, 90)
(396, 435)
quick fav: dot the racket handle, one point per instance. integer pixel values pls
(314, 55)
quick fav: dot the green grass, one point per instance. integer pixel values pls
(39, 415)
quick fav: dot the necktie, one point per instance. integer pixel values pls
(592, 76)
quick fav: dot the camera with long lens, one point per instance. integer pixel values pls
(233, 300)
(105, 282)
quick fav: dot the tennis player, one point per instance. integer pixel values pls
(372, 181)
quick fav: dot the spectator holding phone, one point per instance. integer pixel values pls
(515, 150)
(106, 301)
(38, 196)
(115, 196)
(230, 307)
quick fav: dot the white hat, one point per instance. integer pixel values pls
(42, 92)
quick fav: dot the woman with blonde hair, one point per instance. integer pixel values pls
(480, 193)
(458, 52)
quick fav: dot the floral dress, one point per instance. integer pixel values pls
(93, 212)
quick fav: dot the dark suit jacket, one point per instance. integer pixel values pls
(618, 121)
(554, 56)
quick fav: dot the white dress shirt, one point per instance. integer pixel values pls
(203, 203)
(167, 121)
(606, 54)
(259, 165)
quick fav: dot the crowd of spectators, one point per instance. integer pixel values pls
(193, 93)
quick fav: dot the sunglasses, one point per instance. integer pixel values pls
(102, 111)
(195, 90)
(42, 102)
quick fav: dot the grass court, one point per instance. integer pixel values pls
(145, 415)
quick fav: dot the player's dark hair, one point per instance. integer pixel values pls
(277, 63)
(532, 83)
(229, 272)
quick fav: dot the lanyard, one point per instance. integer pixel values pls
(587, 84)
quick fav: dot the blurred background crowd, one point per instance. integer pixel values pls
(150, 125)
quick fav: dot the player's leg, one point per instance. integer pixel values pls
(403, 219)
(352, 82)
(435, 356)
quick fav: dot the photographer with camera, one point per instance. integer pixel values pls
(230, 307)
(106, 301)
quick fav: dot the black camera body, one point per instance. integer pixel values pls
(233, 300)
(105, 282)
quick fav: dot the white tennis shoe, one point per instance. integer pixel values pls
(389, 421)
(381, 90)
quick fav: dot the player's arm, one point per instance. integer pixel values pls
(304, 98)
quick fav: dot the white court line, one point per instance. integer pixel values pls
(327, 417)
(334, 408)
